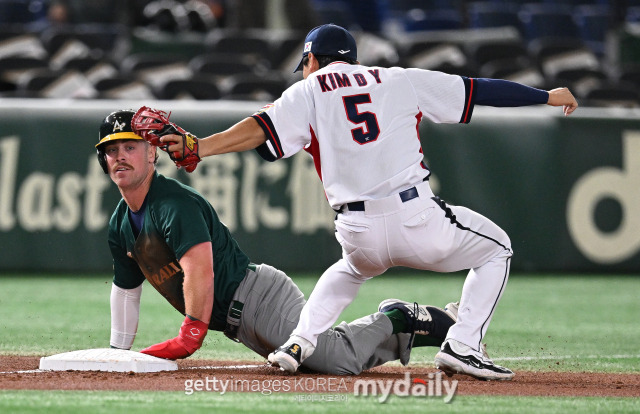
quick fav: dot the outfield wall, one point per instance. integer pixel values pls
(567, 190)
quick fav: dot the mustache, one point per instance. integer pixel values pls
(122, 164)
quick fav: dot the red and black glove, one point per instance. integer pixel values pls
(151, 124)
(188, 341)
(190, 157)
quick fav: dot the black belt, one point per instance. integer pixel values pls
(405, 196)
(233, 320)
(235, 312)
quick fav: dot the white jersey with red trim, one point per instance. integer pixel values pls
(360, 124)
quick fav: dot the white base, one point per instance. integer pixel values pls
(106, 359)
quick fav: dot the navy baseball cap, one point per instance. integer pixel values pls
(329, 40)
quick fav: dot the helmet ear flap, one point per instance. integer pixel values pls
(102, 159)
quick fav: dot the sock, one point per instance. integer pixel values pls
(398, 320)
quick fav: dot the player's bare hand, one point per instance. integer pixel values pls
(173, 144)
(563, 97)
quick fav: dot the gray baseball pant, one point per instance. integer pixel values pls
(271, 309)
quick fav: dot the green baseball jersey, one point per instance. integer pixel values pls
(176, 219)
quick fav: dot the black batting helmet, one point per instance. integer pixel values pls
(116, 126)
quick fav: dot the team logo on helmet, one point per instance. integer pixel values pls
(118, 126)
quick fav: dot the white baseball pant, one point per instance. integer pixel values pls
(421, 233)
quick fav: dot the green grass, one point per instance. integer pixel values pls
(550, 322)
(63, 402)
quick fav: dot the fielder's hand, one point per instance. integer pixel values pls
(188, 341)
(563, 97)
(152, 124)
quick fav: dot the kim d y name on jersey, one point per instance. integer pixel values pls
(341, 80)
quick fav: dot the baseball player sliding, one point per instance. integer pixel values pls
(360, 125)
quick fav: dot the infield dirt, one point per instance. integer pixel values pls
(14, 377)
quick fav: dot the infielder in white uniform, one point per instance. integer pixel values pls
(360, 125)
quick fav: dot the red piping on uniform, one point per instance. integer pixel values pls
(273, 140)
(314, 150)
(466, 114)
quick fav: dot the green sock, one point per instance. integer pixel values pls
(398, 320)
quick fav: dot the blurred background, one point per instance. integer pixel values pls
(566, 190)
(246, 49)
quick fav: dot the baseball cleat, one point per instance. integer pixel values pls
(292, 354)
(457, 358)
(452, 309)
(422, 319)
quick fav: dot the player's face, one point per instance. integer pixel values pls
(129, 162)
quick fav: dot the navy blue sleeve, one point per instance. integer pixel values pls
(272, 136)
(502, 93)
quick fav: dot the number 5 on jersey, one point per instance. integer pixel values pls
(360, 134)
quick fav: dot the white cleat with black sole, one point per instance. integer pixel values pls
(457, 358)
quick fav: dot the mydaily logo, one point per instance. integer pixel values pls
(434, 386)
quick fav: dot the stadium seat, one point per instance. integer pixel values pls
(541, 49)
(580, 81)
(267, 87)
(547, 21)
(572, 76)
(22, 63)
(100, 38)
(135, 63)
(21, 44)
(427, 20)
(53, 84)
(630, 74)
(444, 57)
(337, 12)
(196, 89)
(242, 43)
(215, 64)
(633, 14)
(123, 88)
(576, 3)
(503, 68)
(613, 95)
(82, 64)
(481, 53)
(493, 14)
(553, 56)
(22, 11)
(594, 22)
(12, 68)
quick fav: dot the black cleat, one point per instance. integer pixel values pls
(422, 319)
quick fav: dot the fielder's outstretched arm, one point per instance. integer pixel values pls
(243, 136)
(503, 93)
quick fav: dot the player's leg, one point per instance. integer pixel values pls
(449, 238)
(335, 290)
(486, 250)
(271, 306)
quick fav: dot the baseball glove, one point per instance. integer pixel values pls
(151, 124)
